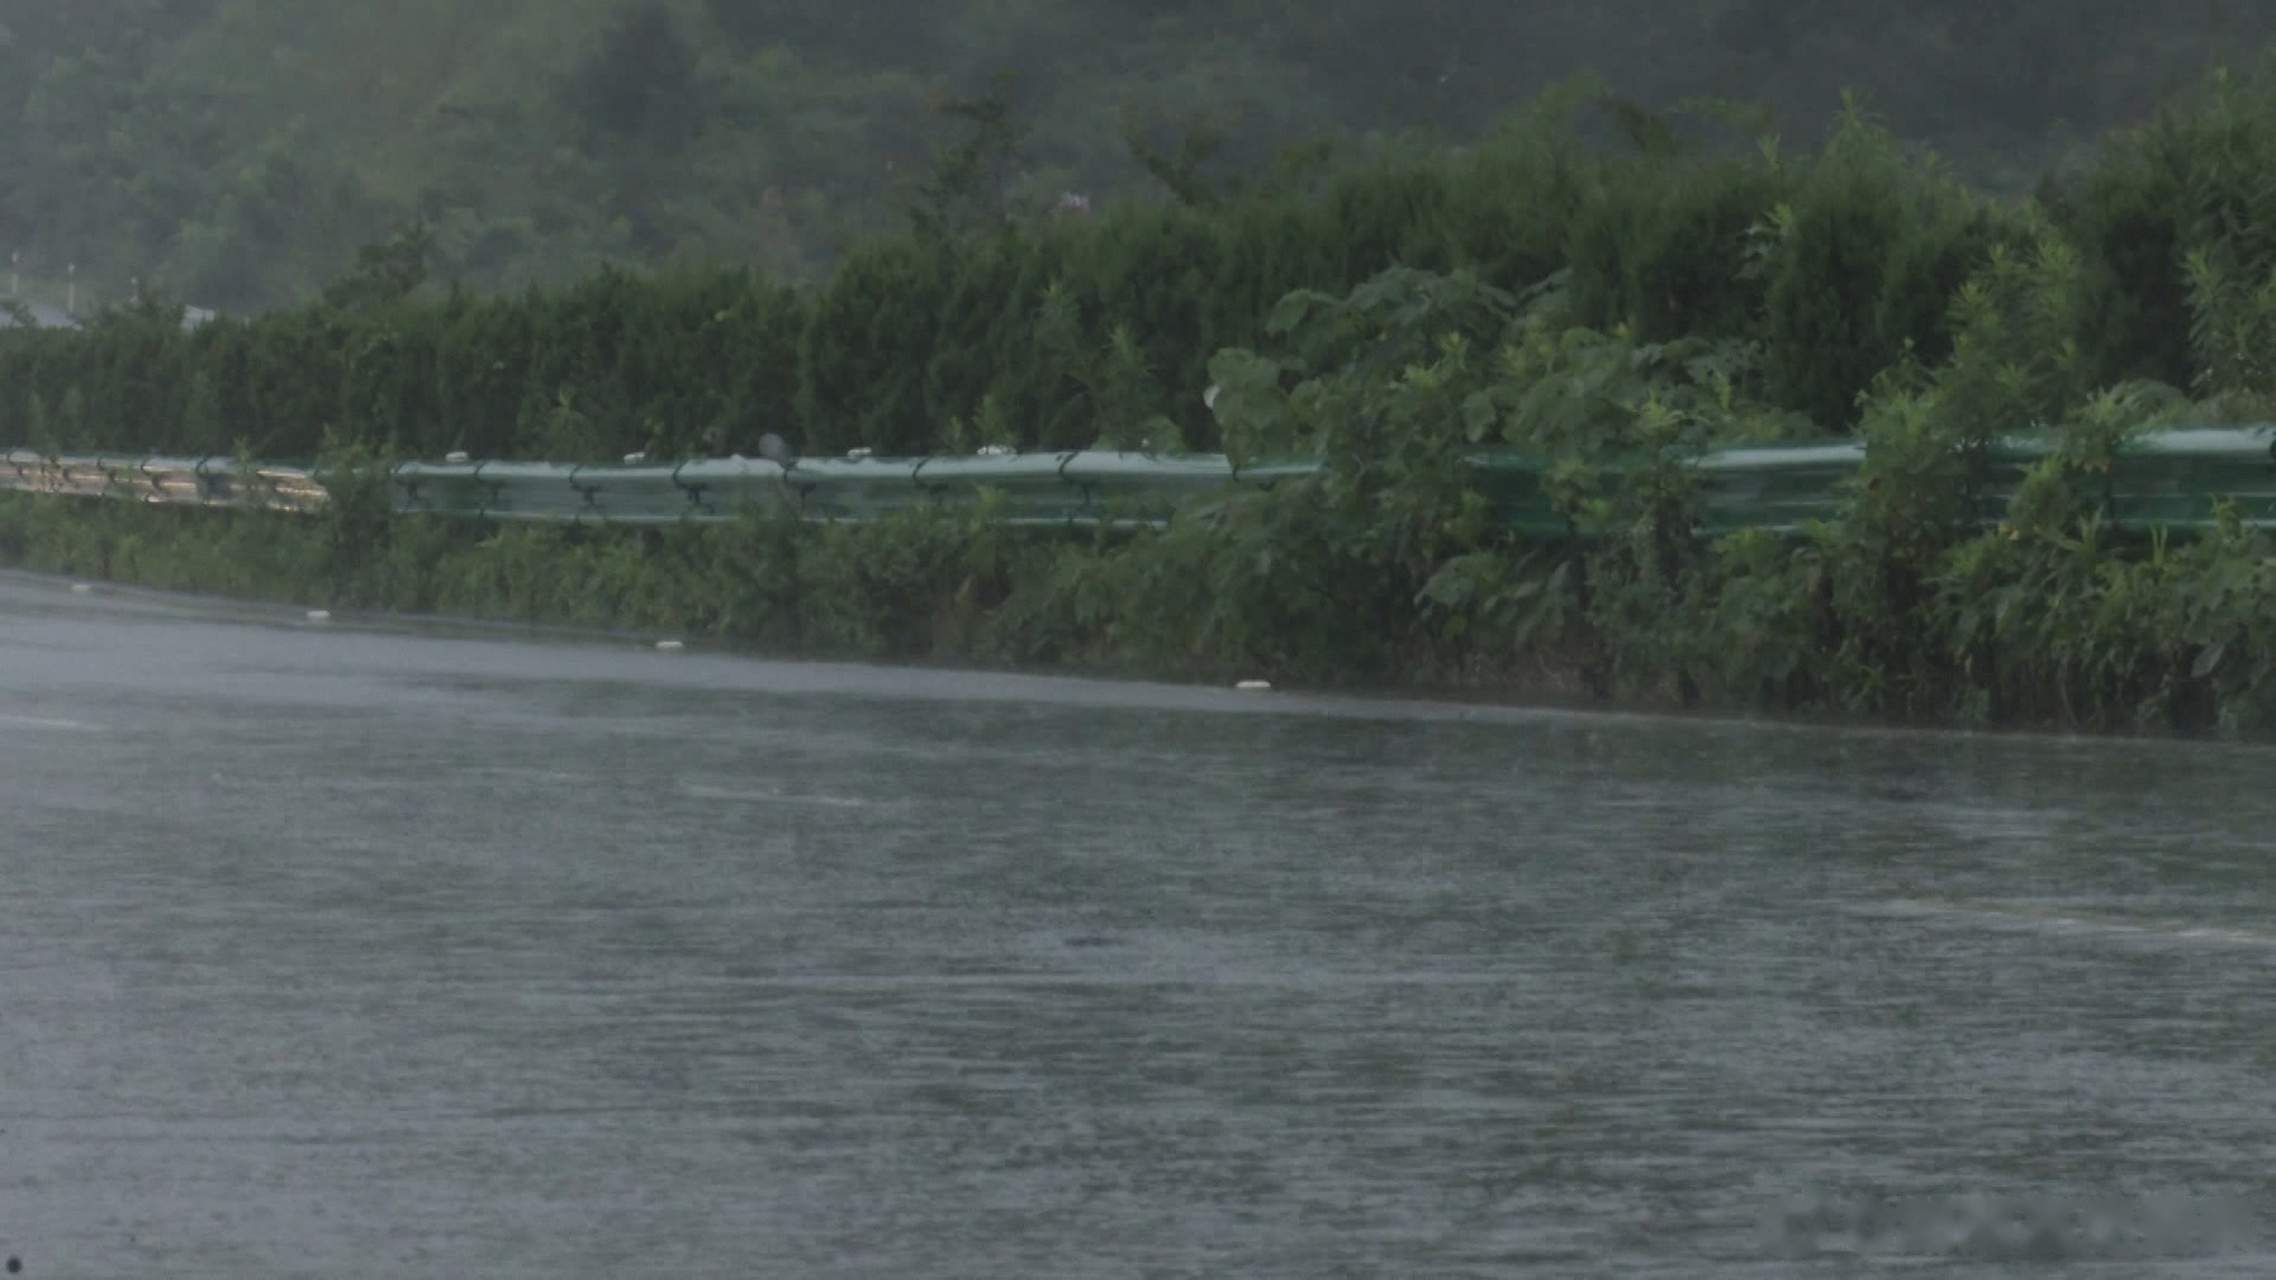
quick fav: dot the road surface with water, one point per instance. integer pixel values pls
(345, 950)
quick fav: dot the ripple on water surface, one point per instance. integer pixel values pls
(341, 951)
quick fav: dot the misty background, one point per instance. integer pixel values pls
(235, 153)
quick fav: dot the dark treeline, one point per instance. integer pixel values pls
(1072, 331)
(1597, 280)
(232, 153)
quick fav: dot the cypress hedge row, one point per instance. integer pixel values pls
(1081, 330)
(1099, 329)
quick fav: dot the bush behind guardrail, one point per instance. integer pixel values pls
(1080, 333)
(1839, 267)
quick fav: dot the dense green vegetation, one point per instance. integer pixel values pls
(1548, 289)
(233, 153)
(1824, 270)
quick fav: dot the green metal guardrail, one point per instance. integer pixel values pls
(2169, 479)
(1040, 488)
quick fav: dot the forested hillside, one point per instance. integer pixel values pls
(236, 152)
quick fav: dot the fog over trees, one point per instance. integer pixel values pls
(238, 152)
